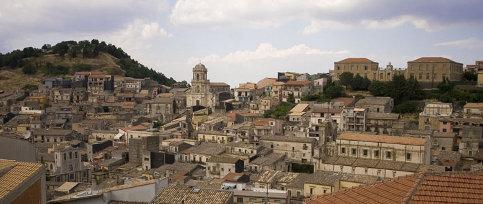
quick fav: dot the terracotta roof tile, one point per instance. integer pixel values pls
(447, 187)
(356, 60)
(382, 138)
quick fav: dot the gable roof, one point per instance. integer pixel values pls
(13, 174)
(363, 137)
(447, 187)
(433, 59)
(188, 195)
(356, 60)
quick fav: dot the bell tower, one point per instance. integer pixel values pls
(200, 82)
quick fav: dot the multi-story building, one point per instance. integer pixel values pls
(430, 71)
(162, 107)
(354, 119)
(432, 113)
(365, 68)
(215, 137)
(50, 135)
(361, 66)
(67, 164)
(384, 123)
(297, 89)
(473, 110)
(297, 149)
(219, 166)
(376, 104)
(246, 92)
(384, 147)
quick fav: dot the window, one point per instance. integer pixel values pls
(70, 155)
(443, 148)
(342, 150)
(239, 200)
(354, 151)
(388, 155)
(408, 156)
(311, 191)
(325, 191)
(444, 130)
(365, 152)
(65, 156)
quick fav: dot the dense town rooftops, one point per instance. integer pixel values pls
(13, 174)
(206, 148)
(447, 187)
(267, 160)
(187, 195)
(363, 137)
(356, 60)
(298, 83)
(223, 159)
(380, 164)
(433, 60)
(55, 132)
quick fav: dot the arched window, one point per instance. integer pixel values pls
(197, 76)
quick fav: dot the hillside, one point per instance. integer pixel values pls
(29, 65)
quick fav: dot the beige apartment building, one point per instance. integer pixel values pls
(297, 149)
(365, 68)
(432, 113)
(384, 147)
(429, 71)
(432, 70)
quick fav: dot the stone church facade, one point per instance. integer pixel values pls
(202, 91)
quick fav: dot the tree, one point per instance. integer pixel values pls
(470, 76)
(414, 89)
(346, 78)
(332, 90)
(378, 88)
(445, 86)
(29, 69)
(360, 84)
(408, 107)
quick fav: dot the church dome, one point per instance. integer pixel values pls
(200, 66)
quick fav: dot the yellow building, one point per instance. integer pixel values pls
(365, 68)
(432, 70)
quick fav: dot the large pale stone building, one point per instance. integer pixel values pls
(429, 71)
(365, 68)
(432, 70)
(203, 92)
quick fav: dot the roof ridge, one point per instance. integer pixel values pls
(417, 183)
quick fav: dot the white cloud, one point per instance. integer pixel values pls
(252, 12)
(266, 51)
(398, 21)
(265, 61)
(325, 14)
(316, 26)
(136, 37)
(468, 43)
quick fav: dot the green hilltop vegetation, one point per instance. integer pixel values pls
(68, 57)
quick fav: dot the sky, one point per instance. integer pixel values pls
(247, 40)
